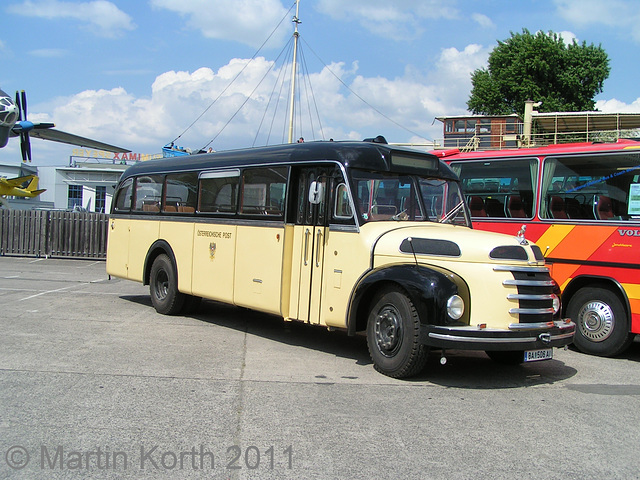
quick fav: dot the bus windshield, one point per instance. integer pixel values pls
(399, 197)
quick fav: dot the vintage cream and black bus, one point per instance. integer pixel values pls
(360, 236)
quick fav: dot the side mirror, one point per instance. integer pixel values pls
(316, 192)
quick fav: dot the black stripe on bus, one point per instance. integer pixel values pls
(590, 263)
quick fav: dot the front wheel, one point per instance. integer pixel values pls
(602, 325)
(163, 287)
(393, 335)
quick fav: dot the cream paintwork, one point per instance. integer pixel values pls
(213, 274)
(180, 233)
(142, 234)
(303, 293)
(257, 282)
(263, 267)
(118, 247)
(474, 266)
(347, 258)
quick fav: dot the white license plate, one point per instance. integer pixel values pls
(536, 355)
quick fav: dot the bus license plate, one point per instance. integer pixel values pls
(536, 355)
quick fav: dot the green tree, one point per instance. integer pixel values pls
(539, 67)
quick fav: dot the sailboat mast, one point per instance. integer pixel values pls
(294, 66)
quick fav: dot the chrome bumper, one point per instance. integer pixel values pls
(519, 336)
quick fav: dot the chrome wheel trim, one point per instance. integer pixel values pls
(596, 321)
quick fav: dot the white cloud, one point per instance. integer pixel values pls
(568, 37)
(49, 53)
(483, 20)
(622, 15)
(411, 100)
(397, 20)
(616, 106)
(99, 16)
(246, 21)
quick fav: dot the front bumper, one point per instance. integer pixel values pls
(519, 336)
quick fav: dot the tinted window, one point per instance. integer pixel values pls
(591, 187)
(219, 191)
(181, 193)
(263, 191)
(499, 188)
(148, 193)
(123, 196)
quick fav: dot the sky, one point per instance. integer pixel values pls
(140, 74)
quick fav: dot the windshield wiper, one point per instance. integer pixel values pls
(452, 213)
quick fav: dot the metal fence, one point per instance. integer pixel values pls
(45, 233)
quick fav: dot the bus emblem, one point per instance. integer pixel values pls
(212, 250)
(629, 233)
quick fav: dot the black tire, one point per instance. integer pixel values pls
(393, 335)
(602, 324)
(510, 357)
(163, 287)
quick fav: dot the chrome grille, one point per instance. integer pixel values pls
(533, 292)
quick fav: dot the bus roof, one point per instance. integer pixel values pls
(554, 149)
(361, 155)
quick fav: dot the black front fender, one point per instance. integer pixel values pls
(428, 288)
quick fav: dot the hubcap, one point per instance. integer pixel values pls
(162, 285)
(388, 330)
(596, 321)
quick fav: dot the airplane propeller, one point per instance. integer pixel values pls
(24, 126)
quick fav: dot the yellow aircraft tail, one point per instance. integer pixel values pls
(32, 188)
(14, 186)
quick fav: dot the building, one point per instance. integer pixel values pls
(87, 184)
(494, 132)
(480, 132)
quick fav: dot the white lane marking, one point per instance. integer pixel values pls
(47, 292)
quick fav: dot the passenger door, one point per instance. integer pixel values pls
(309, 239)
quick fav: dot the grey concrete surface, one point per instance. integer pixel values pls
(95, 384)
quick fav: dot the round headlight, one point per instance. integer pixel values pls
(556, 304)
(455, 307)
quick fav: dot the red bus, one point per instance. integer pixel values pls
(580, 203)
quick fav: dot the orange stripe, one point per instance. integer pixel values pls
(550, 239)
(581, 242)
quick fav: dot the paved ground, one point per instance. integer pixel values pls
(95, 384)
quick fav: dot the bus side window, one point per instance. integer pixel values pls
(219, 191)
(504, 186)
(342, 209)
(148, 193)
(263, 191)
(180, 193)
(123, 197)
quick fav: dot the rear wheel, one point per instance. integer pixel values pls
(602, 325)
(163, 287)
(393, 334)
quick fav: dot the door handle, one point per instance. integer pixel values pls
(306, 246)
(318, 244)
